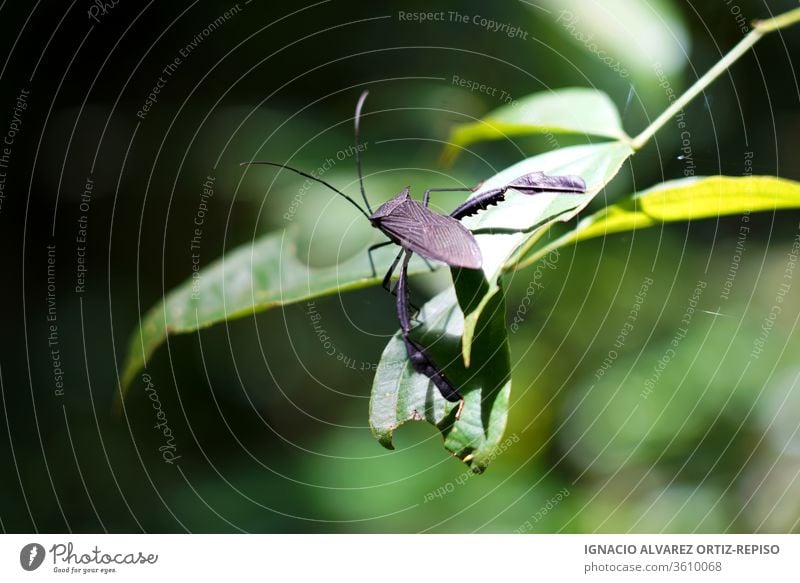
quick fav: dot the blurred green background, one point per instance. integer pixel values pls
(272, 432)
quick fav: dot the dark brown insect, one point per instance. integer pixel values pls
(417, 229)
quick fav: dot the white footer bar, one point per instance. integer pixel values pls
(389, 558)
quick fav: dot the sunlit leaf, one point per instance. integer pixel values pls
(686, 199)
(563, 111)
(506, 230)
(399, 394)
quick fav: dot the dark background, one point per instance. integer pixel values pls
(278, 442)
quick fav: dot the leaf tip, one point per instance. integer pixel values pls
(466, 340)
(466, 351)
(384, 438)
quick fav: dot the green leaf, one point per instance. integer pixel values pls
(400, 394)
(247, 280)
(268, 273)
(505, 232)
(563, 111)
(682, 200)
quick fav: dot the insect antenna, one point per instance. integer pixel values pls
(310, 177)
(359, 105)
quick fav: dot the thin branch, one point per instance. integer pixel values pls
(760, 28)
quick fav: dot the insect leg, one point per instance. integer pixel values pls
(423, 364)
(369, 254)
(479, 203)
(530, 184)
(388, 277)
(417, 355)
(416, 323)
(402, 295)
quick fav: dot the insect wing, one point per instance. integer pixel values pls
(432, 235)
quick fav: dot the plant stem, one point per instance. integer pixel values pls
(781, 21)
(760, 28)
